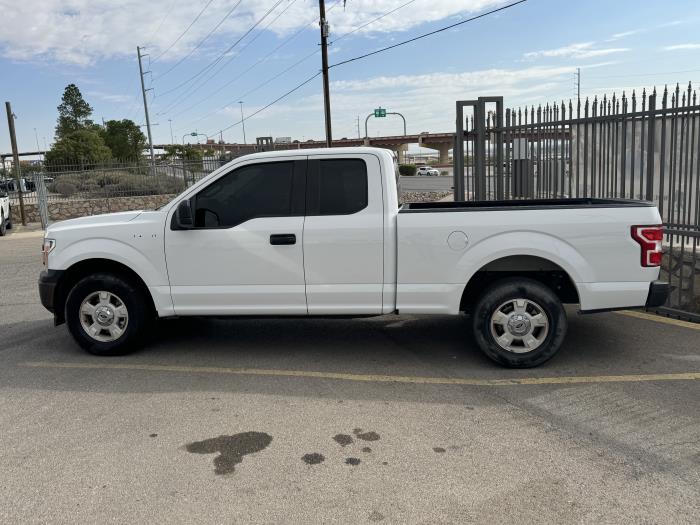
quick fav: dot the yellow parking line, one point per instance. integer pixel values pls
(685, 376)
(660, 319)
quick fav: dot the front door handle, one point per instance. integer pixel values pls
(283, 238)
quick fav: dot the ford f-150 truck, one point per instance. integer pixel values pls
(321, 233)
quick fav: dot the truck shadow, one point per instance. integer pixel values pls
(436, 346)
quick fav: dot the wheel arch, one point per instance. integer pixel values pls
(533, 267)
(86, 267)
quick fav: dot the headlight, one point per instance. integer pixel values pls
(46, 249)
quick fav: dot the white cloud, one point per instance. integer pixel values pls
(84, 31)
(579, 50)
(681, 46)
(625, 34)
(109, 97)
(427, 101)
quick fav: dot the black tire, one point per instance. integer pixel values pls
(540, 300)
(3, 226)
(133, 299)
(9, 219)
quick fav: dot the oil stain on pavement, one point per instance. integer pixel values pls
(343, 439)
(313, 459)
(365, 436)
(231, 449)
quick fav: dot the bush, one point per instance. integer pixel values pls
(64, 188)
(407, 170)
(114, 183)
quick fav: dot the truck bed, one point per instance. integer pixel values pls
(523, 204)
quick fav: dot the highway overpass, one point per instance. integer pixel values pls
(441, 142)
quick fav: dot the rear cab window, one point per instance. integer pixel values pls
(336, 187)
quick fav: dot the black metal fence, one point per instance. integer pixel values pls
(642, 146)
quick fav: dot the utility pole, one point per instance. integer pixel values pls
(15, 159)
(578, 84)
(145, 108)
(242, 120)
(172, 140)
(324, 69)
(358, 127)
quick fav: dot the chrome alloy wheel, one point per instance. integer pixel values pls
(519, 325)
(104, 316)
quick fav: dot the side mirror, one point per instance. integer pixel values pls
(182, 218)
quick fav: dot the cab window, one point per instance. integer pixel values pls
(252, 191)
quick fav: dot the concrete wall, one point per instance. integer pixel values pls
(70, 209)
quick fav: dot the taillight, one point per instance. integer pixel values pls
(649, 238)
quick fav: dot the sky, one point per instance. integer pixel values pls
(204, 56)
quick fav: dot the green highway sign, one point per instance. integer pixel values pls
(380, 112)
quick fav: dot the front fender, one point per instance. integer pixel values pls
(152, 272)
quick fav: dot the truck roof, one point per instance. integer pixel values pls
(353, 150)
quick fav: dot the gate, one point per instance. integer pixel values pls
(637, 147)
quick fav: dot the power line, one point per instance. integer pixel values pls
(262, 84)
(185, 31)
(228, 50)
(229, 13)
(372, 21)
(387, 48)
(198, 85)
(306, 57)
(357, 58)
(162, 21)
(299, 86)
(254, 65)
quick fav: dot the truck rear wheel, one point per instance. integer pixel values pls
(2, 223)
(519, 323)
(106, 314)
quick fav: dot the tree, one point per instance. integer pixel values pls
(77, 148)
(73, 112)
(185, 152)
(124, 138)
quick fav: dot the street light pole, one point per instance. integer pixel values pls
(242, 120)
(172, 140)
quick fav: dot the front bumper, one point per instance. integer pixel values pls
(658, 294)
(48, 283)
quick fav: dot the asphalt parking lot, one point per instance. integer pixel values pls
(391, 420)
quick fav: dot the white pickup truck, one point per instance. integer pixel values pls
(321, 233)
(5, 213)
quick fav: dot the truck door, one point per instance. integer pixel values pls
(343, 235)
(244, 256)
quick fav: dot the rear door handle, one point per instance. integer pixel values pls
(283, 238)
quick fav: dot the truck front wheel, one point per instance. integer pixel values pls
(106, 314)
(519, 323)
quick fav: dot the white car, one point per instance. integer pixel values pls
(427, 171)
(320, 232)
(5, 213)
